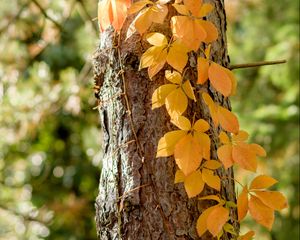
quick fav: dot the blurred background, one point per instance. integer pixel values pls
(50, 155)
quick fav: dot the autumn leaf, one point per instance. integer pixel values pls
(112, 12)
(261, 213)
(238, 151)
(210, 179)
(202, 221)
(193, 184)
(174, 95)
(221, 115)
(262, 182)
(179, 176)
(187, 154)
(212, 164)
(191, 28)
(189, 144)
(272, 199)
(149, 12)
(221, 78)
(242, 204)
(155, 57)
(216, 220)
(247, 236)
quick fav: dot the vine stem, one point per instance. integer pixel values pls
(255, 64)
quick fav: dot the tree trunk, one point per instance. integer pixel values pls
(137, 195)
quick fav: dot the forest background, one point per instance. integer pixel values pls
(50, 145)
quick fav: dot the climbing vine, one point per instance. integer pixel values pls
(190, 144)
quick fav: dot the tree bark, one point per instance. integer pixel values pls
(137, 195)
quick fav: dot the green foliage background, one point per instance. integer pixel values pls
(50, 156)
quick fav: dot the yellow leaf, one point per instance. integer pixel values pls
(188, 90)
(216, 220)
(212, 164)
(182, 122)
(261, 213)
(224, 138)
(167, 143)
(193, 184)
(160, 94)
(225, 155)
(228, 120)
(262, 181)
(244, 156)
(157, 39)
(220, 79)
(202, 68)
(188, 154)
(204, 142)
(173, 76)
(202, 221)
(210, 179)
(154, 13)
(201, 126)
(177, 55)
(248, 236)
(242, 204)
(179, 176)
(150, 56)
(272, 199)
(176, 103)
(158, 63)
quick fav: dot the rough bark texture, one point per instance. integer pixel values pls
(137, 197)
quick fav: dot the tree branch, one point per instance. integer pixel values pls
(255, 64)
(43, 11)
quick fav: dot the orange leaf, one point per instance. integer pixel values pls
(210, 179)
(244, 156)
(212, 164)
(228, 120)
(211, 31)
(112, 12)
(202, 68)
(261, 213)
(201, 126)
(225, 155)
(202, 221)
(259, 150)
(189, 30)
(216, 220)
(241, 136)
(224, 138)
(167, 143)
(204, 142)
(242, 204)
(219, 79)
(262, 181)
(274, 200)
(177, 55)
(248, 236)
(188, 154)
(193, 184)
